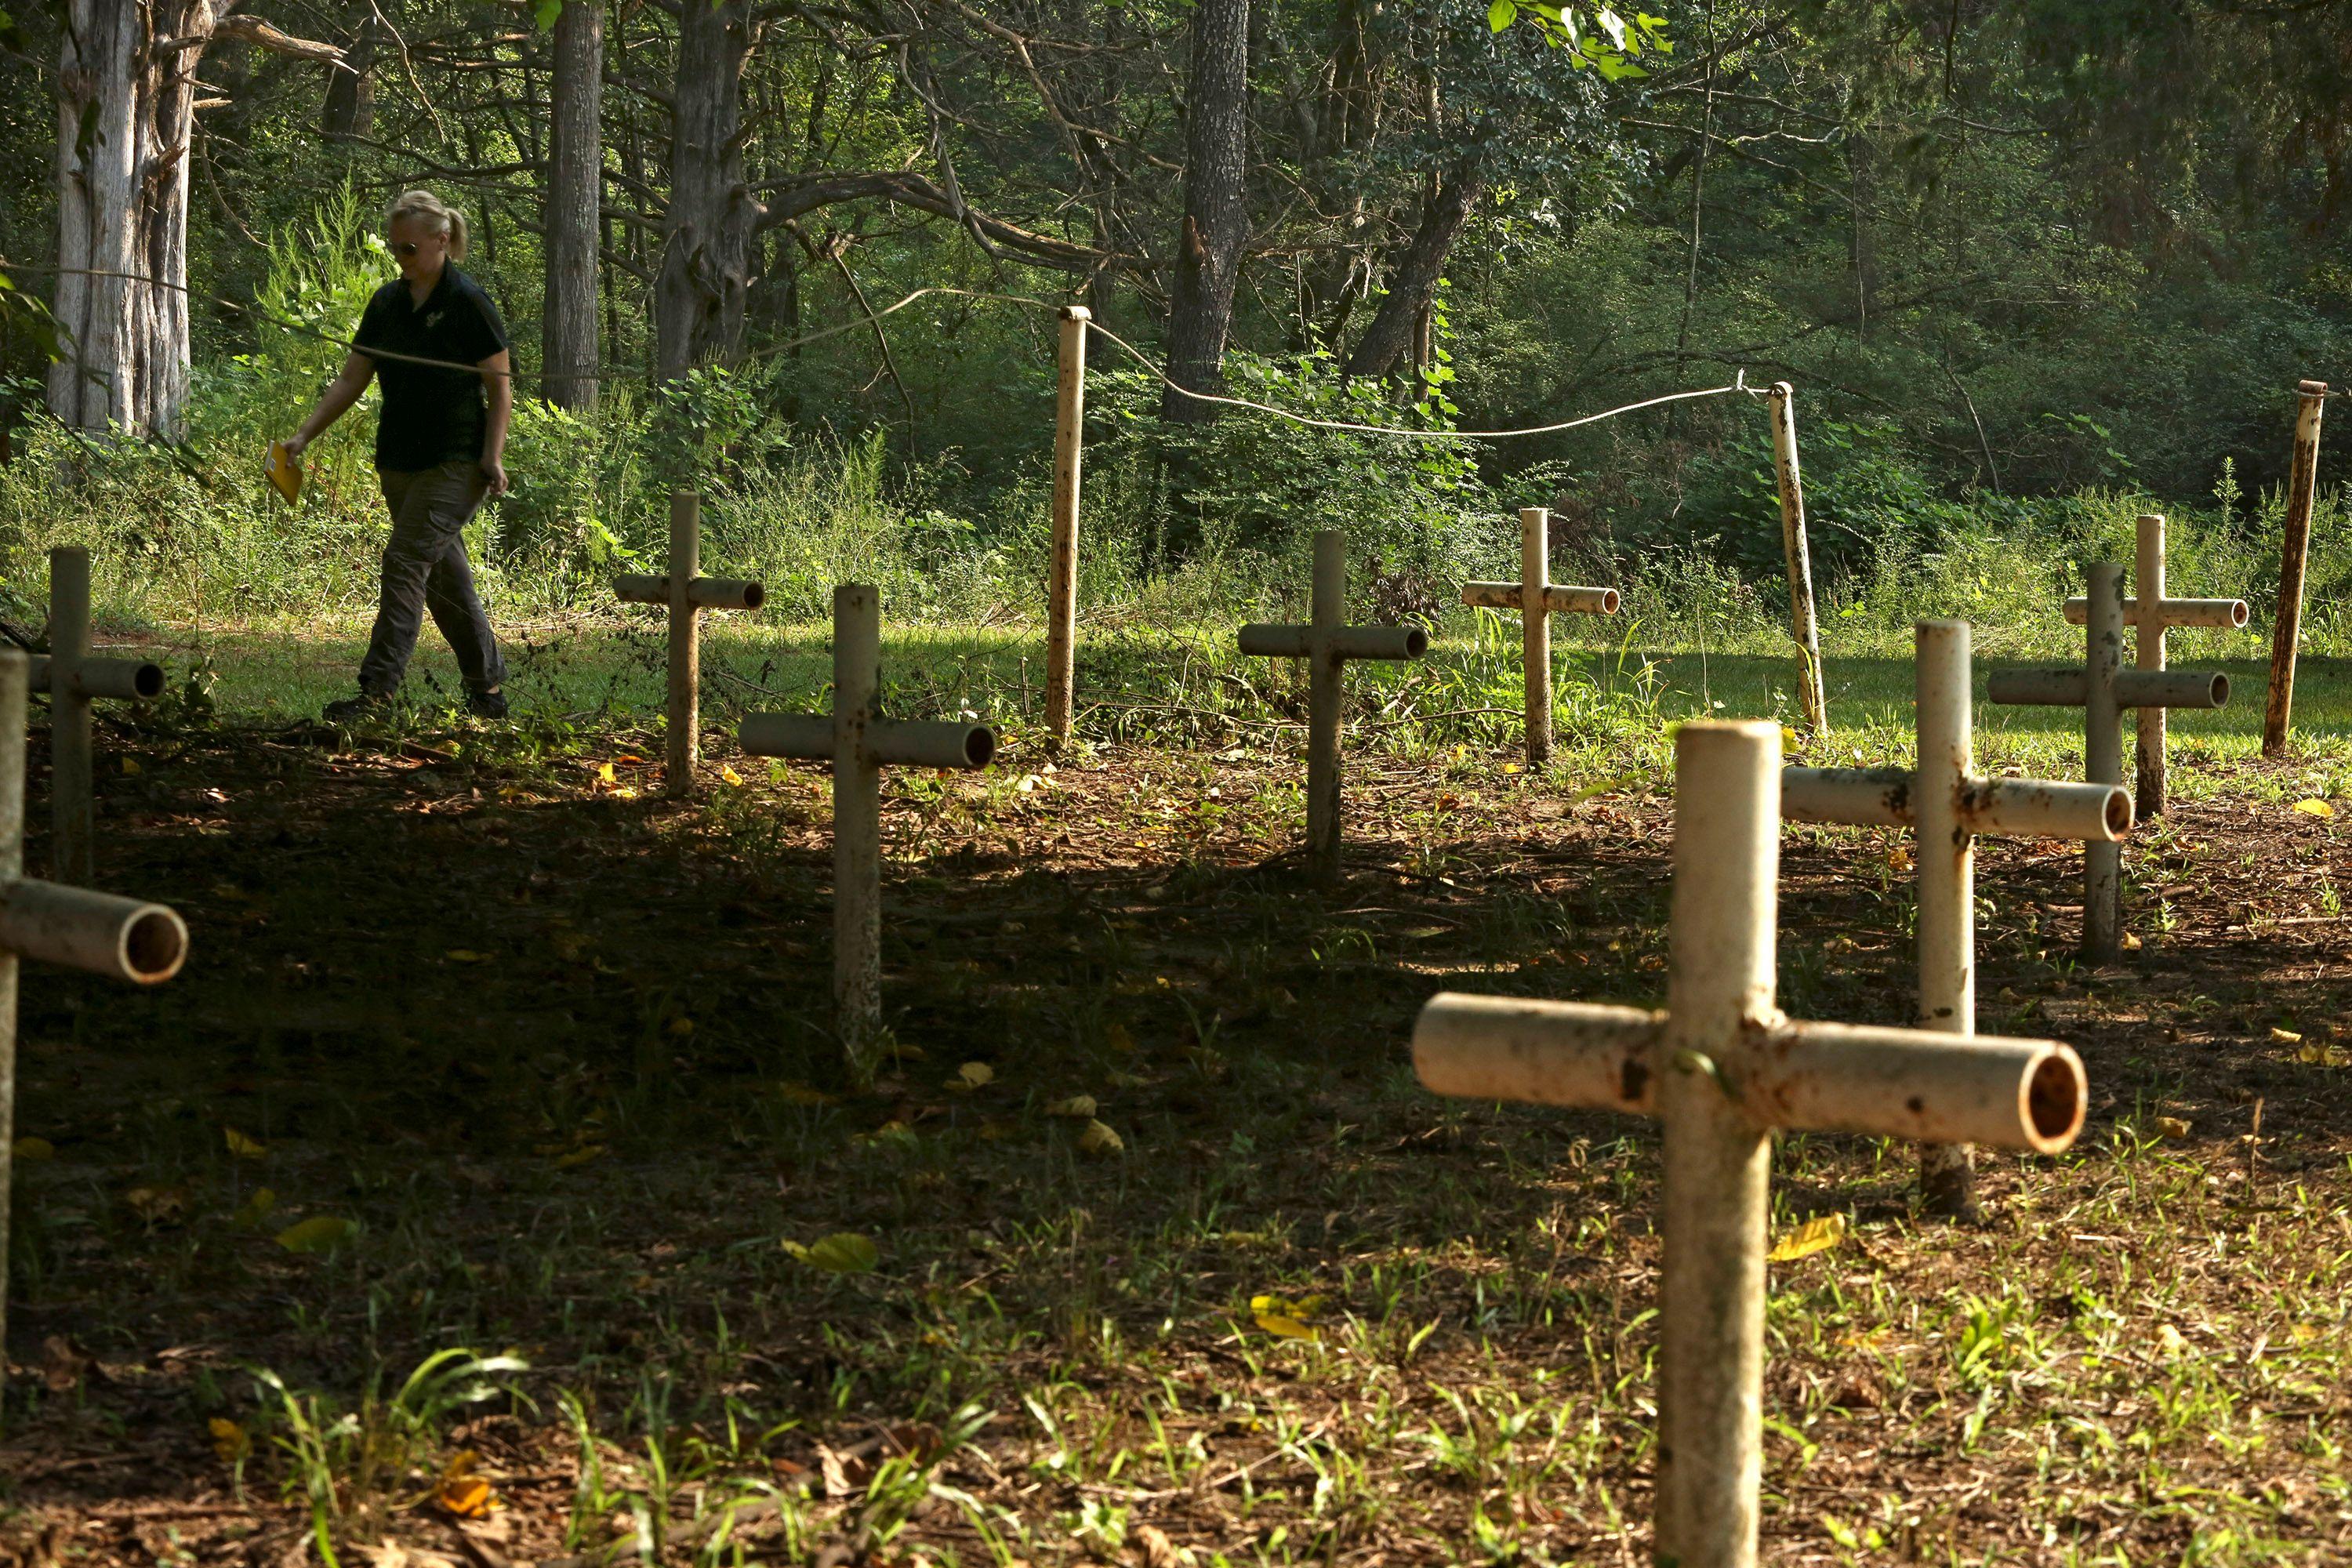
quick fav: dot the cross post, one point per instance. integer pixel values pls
(859, 743)
(2295, 548)
(1538, 599)
(2103, 688)
(1949, 806)
(72, 678)
(1803, 621)
(49, 923)
(1062, 564)
(2147, 576)
(1722, 1070)
(688, 594)
(1327, 645)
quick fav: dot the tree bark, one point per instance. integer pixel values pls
(124, 115)
(575, 207)
(705, 264)
(1444, 213)
(1216, 215)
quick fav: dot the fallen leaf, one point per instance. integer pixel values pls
(464, 1497)
(243, 1147)
(1098, 1139)
(1159, 1551)
(131, 766)
(320, 1233)
(63, 1363)
(230, 1441)
(2172, 1127)
(841, 1253)
(35, 1149)
(578, 1156)
(2286, 1037)
(794, 1092)
(1077, 1107)
(255, 1207)
(465, 955)
(1817, 1235)
(156, 1205)
(2315, 807)
(681, 1025)
(1287, 1317)
(729, 774)
(973, 1075)
(2171, 1339)
(603, 772)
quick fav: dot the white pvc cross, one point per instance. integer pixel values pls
(1538, 599)
(859, 743)
(1722, 1069)
(1327, 645)
(48, 923)
(2226, 615)
(687, 596)
(1949, 806)
(2103, 688)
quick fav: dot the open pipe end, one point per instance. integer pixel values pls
(1609, 601)
(979, 746)
(1416, 641)
(2220, 689)
(754, 595)
(154, 945)
(2118, 812)
(147, 682)
(2056, 1093)
(2238, 613)
(2311, 388)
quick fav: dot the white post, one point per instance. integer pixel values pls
(2102, 758)
(1803, 621)
(1327, 645)
(684, 735)
(1711, 1293)
(857, 827)
(1062, 568)
(1945, 852)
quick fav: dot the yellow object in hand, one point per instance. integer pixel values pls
(285, 472)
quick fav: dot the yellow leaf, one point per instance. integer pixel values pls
(729, 774)
(131, 766)
(1098, 1139)
(681, 1025)
(465, 955)
(2172, 1126)
(321, 1232)
(35, 1149)
(603, 772)
(243, 1147)
(841, 1253)
(229, 1439)
(1077, 1107)
(578, 1156)
(463, 1495)
(156, 1205)
(625, 793)
(1510, 767)
(2315, 807)
(792, 1091)
(1119, 1039)
(1815, 1236)
(2171, 1339)
(1789, 737)
(1287, 1318)
(2286, 1037)
(259, 1203)
(975, 1075)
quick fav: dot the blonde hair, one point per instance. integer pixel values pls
(432, 209)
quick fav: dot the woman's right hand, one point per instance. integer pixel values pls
(294, 444)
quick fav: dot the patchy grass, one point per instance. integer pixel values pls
(556, 1051)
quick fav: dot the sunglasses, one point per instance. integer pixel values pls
(408, 248)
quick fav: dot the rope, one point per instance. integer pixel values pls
(1739, 382)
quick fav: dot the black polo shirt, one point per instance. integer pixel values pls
(432, 414)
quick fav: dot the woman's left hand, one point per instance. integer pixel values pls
(496, 472)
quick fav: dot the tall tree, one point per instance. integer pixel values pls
(707, 234)
(126, 98)
(574, 206)
(1216, 208)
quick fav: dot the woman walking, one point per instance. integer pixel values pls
(434, 340)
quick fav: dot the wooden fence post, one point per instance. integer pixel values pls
(1062, 568)
(2295, 546)
(1802, 620)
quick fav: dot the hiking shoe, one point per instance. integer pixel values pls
(486, 704)
(366, 705)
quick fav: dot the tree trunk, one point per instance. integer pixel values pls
(575, 199)
(348, 108)
(1444, 215)
(706, 263)
(124, 114)
(1216, 216)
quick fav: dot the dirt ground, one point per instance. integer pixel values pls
(548, 1054)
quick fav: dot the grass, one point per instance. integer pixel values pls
(557, 1052)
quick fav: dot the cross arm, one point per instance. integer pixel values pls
(2029, 808)
(1379, 642)
(1926, 1085)
(126, 679)
(1552, 598)
(805, 737)
(122, 939)
(1260, 639)
(702, 593)
(2171, 689)
(808, 737)
(2225, 615)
